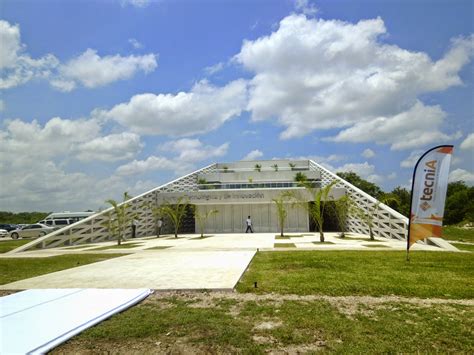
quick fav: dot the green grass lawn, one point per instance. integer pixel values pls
(376, 273)
(284, 245)
(197, 323)
(467, 247)
(6, 246)
(14, 269)
(460, 234)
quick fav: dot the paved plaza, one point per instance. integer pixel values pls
(188, 262)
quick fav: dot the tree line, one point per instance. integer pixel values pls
(21, 217)
(459, 198)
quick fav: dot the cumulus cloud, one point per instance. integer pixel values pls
(91, 70)
(410, 161)
(314, 74)
(88, 69)
(468, 143)
(253, 155)
(17, 67)
(364, 170)
(368, 153)
(193, 150)
(58, 137)
(305, 7)
(187, 152)
(203, 109)
(462, 175)
(39, 171)
(110, 148)
(416, 127)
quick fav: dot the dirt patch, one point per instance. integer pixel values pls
(268, 325)
(278, 298)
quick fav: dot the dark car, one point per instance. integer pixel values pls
(8, 227)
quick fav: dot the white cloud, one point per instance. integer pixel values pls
(110, 148)
(314, 74)
(468, 143)
(91, 70)
(392, 176)
(203, 109)
(16, 67)
(29, 141)
(416, 127)
(136, 3)
(88, 69)
(189, 152)
(411, 160)
(462, 175)
(214, 68)
(368, 153)
(152, 163)
(253, 155)
(135, 43)
(192, 150)
(305, 7)
(364, 170)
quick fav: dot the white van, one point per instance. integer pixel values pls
(57, 223)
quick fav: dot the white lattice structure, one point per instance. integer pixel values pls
(389, 223)
(94, 228)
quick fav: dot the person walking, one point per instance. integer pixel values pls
(159, 225)
(249, 225)
(134, 228)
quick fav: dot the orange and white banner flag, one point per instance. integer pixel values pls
(428, 194)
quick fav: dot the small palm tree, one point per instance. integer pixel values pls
(258, 167)
(292, 166)
(316, 209)
(342, 208)
(370, 214)
(281, 203)
(275, 167)
(201, 219)
(301, 179)
(120, 218)
(176, 212)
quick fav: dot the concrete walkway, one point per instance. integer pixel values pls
(159, 270)
(188, 262)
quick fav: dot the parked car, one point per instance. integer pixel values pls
(3, 233)
(57, 223)
(8, 227)
(31, 231)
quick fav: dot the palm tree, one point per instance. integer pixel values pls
(301, 179)
(201, 219)
(121, 217)
(176, 212)
(275, 167)
(281, 203)
(316, 209)
(369, 215)
(258, 167)
(342, 208)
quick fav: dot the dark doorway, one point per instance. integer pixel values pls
(330, 222)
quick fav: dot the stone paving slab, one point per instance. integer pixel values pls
(159, 270)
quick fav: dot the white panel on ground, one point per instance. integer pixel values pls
(36, 321)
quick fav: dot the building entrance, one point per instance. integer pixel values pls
(231, 218)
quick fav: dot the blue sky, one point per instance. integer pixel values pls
(99, 97)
